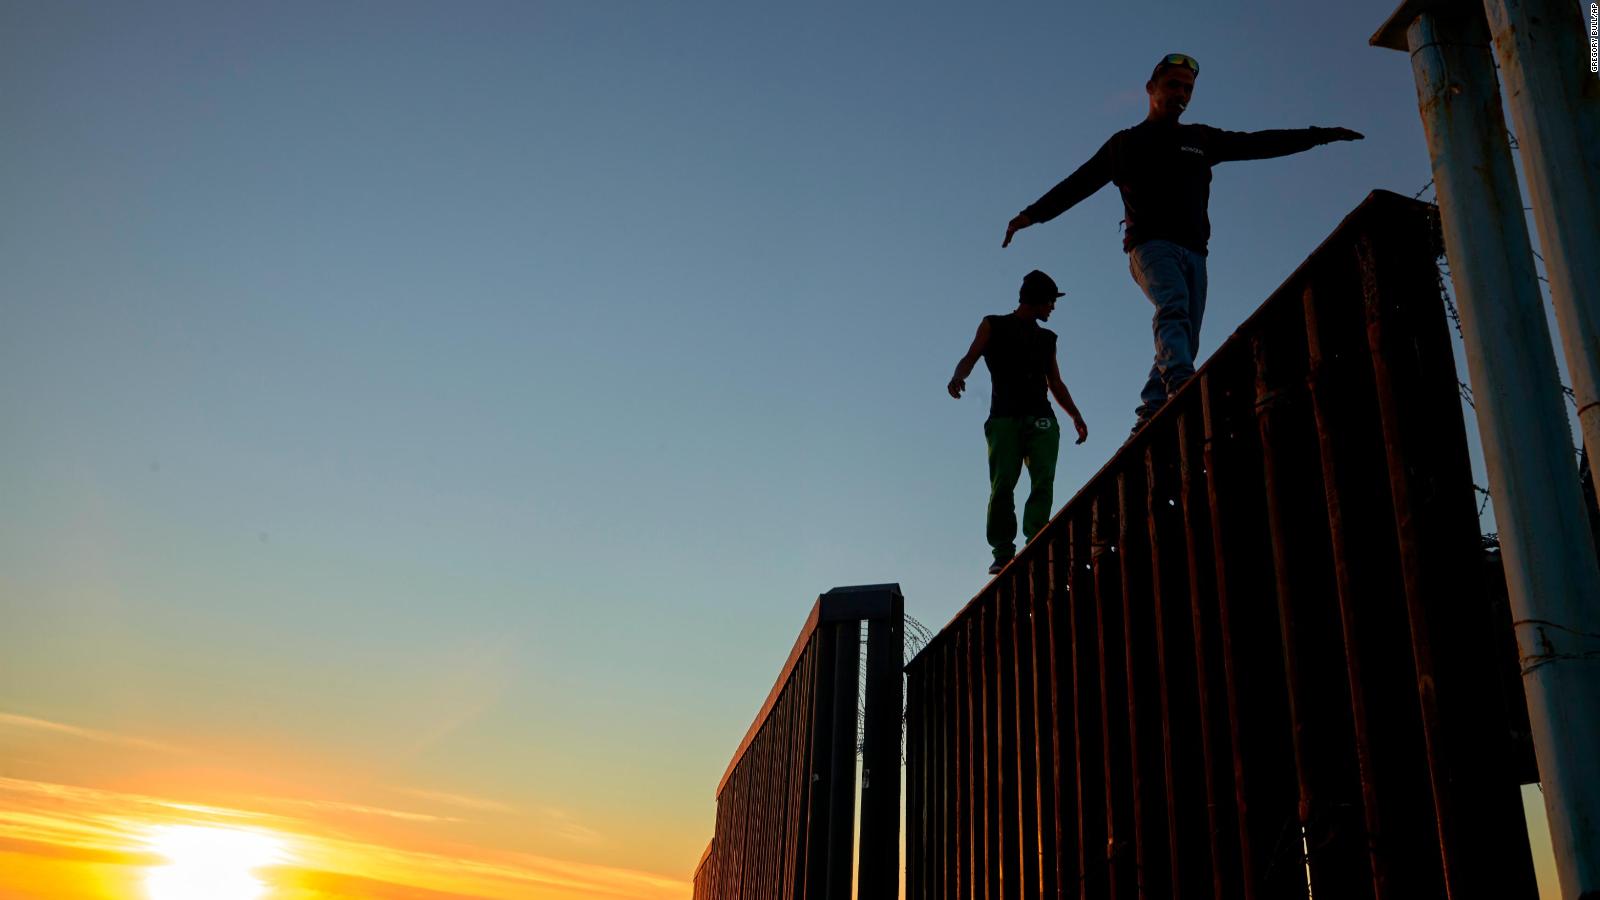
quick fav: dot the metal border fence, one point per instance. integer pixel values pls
(786, 806)
(1254, 657)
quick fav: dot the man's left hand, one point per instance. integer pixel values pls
(1083, 430)
(1017, 223)
(1343, 134)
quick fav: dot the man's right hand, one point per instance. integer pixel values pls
(1017, 224)
(956, 386)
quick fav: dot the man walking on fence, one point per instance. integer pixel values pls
(1021, 427)
(1163, 170)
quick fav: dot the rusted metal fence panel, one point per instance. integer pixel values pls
(1254, 657)
(786, 807)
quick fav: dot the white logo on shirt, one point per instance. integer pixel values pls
(1196, 150)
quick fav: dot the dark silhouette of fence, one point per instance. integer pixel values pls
(786, 807)
(1255, 651)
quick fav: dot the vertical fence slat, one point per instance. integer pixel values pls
(1263, 753)
(1183, 750)
(1147, 769)
(920, 815)
(814, 884)
(939, 700)
(846, 637)
(1119, 850)
(1027, 739)
(1003, 643)
(794, 880)
(1210, 679)
(1081, 636)
(1046, 719)
(977, 785)
(993, 787)
(878, 865)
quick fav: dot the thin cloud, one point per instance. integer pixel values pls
(574, 833)
(224, 812)
(84, 816)
(563, 827)
(71, 853)
(460, 800)
(29, 723)
(338, 806)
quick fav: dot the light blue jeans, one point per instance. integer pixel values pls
(1174, 278)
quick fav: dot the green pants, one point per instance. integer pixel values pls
(1013, 441)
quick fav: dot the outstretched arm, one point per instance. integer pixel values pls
(1089, 177)
(980, 341)
(1059, 389)
(1231, 145)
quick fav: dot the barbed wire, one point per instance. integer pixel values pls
(916, 636)
(1491, 540)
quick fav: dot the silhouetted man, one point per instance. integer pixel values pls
(1163, 170)
(1021, 427)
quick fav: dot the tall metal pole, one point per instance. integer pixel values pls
(1555, 103)
(846, 637)
(878, 866)
(1552, 575)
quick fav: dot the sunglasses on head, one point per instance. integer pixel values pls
(1180, 59)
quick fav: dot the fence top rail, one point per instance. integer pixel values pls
(1381, 211)
(862, 602)
(703, 857)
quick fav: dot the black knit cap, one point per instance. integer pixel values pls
(1037, 287)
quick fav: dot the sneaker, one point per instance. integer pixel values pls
(1137, 425)
(1141, 416)
(997, 565)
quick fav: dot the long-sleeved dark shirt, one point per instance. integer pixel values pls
(1164, 173)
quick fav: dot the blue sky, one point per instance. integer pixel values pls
(479, 394)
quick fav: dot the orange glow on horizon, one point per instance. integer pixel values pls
(91, 843)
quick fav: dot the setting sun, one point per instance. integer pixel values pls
(210, 863)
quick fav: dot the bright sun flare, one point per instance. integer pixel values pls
(208, 863)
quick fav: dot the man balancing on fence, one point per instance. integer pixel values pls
(1021, 426)
(1163, 170)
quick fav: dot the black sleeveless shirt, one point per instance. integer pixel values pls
(1018, 355)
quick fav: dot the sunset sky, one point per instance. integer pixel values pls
(427, 425)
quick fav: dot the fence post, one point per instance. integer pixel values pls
(879, 858)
